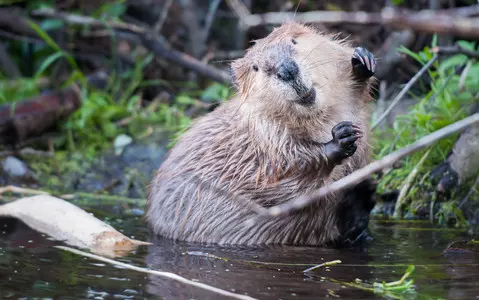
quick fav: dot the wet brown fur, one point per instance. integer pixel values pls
(264, 148)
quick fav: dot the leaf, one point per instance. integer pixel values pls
(405, 50)
(116, 10)
(48, 62)
(452, 62)
(47, 39)
(434, 41)
(466, 45)
(51, 24)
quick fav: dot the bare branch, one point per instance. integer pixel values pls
(7, 63)
(149, 39)
(164, 14)
(450, 21)
(362, 174)
(456, 49)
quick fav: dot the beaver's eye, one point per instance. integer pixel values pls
(252, 43)
(255, 67)
(294, 41)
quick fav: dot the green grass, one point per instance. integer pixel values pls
(104, 114)
(444, 103)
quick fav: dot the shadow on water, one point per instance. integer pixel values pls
(30, 267)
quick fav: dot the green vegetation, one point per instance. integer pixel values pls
(105, 114)
(446, 101)
(119, 109)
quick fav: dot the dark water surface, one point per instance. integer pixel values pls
(31, 268)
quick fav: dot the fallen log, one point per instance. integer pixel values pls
(32, 117)
(70, 224)
(446, 21)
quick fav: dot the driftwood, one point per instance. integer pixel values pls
(66, 222)
(362, 174)
(447, 21)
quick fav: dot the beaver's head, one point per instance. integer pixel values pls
(292, 68)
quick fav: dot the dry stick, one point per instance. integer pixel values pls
(326, 264)
(362, 174)
(430, 21)
(241, 11)
(210, 17)
(403, 92)
(407, 184)
(164, 14)
(157, 273)
(469, 194)
(456, 49)
(19, 190)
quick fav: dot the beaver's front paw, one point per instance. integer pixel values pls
(364, 63)
(343, 144)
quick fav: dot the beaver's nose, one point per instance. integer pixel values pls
(288, 70)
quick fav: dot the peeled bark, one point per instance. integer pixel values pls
(66, 222)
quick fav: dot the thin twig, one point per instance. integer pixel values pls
(18, 190)
(8, 64)
(27, 151)
(456, 49)
(149, 39)
(363, 173)
(471, 191)
(157, 273)
(164, 14)
(209, 18)
(403, 92)
(407, 184)
(241, 11)
(326, 264)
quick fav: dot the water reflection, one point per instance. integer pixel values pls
(30, 267)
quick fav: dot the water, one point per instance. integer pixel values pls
(31, 268)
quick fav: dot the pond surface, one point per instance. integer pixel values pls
(31, 268)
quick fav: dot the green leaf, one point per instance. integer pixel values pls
(48, 62)
(116, 10)
(51, 24)
(405, 50)
(44, 36)
(434, 41)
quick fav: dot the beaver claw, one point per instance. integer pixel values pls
(343, 144)
(364, 63)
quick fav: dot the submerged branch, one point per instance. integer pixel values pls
(157, 273)
(364, 173)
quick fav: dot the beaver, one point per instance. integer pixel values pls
(299, 120)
